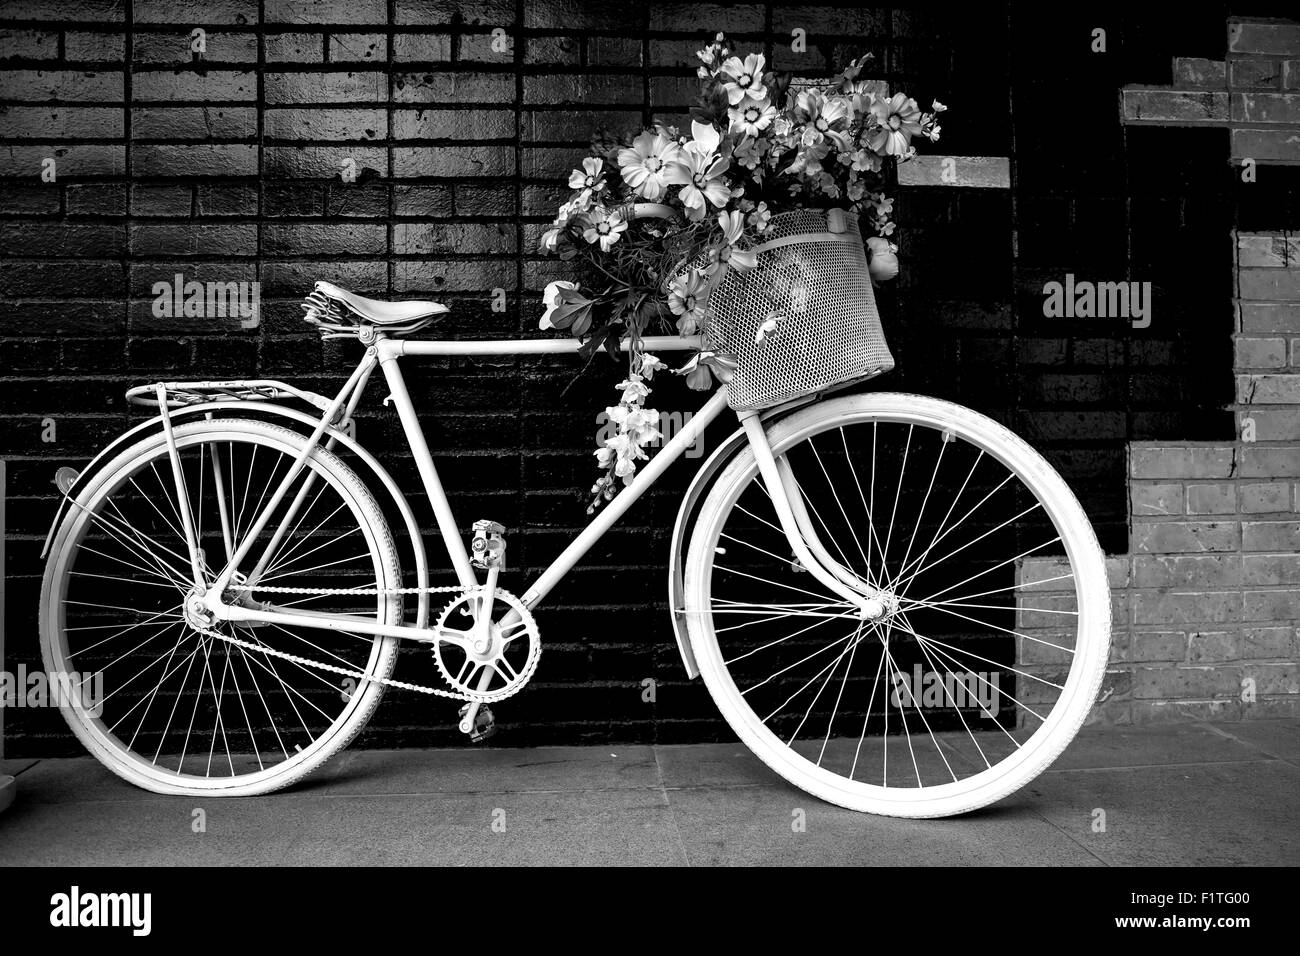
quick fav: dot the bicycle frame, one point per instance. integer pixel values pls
(386, 353)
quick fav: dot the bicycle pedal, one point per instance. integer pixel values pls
(484, 724)
(488, 547)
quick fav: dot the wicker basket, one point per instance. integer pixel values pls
(812, 269)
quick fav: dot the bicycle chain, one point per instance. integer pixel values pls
(359, 675)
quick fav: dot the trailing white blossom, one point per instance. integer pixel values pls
(658, 217)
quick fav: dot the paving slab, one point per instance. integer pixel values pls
(1277, 738)
(756, 826)
(713, 765)
(73, 780)
(1111, 747)
(1183, 795)
(574, 828)
(148, 831)
(475, 769)
(1209, 815)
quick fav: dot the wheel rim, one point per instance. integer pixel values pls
(852, 706)
(194, 712)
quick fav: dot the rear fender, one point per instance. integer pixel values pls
(237, 408)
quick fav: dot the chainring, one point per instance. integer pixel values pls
(499, 666)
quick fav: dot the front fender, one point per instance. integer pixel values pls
(243, 407)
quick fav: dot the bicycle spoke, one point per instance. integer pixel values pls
(920, 712)
(118, 633)
(282, 555)
(754, 577)
(1034, 507)
(866, 717)
(853, 643)
(187, 705)
(812, 445)
(153, 696)
(882, 576)
(850, 638)
(930, 659)
(789, 667)
(965, 684)
(774, 643)
(997, 627)
(911, 540)
(893, 513)
(839, 697)
(149, 666)
(1013, 587)
(902, 715)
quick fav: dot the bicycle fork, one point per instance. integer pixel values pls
(787, 499)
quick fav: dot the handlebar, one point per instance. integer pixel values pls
(653, 210)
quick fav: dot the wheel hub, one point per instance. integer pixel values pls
(879, 607)
(197, 613)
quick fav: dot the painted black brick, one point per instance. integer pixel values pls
(229, 166)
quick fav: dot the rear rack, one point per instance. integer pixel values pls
(181, 394)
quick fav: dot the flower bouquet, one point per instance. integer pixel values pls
(659, 218)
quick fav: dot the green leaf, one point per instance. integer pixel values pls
(649, 311)
(582, 320)
(572, 296)
(612, 340)
(578, 316)
(600, 339)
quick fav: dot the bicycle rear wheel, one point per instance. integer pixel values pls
(996, 635)
(182, 712)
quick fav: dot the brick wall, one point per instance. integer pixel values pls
(1254, 92)
(228, 166)
(1207, 602)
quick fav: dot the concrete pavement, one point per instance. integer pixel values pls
(1190, 794)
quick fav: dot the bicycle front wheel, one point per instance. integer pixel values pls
(996, 632)
(176, 710)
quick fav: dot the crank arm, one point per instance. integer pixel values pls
(481, 625)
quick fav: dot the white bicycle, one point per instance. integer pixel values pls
(894, 601)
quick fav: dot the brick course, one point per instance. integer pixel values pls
(1208, 599)
(1213, 532)
(1249, 92)
(228, 167)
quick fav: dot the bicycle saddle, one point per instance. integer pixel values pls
(395, 317)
